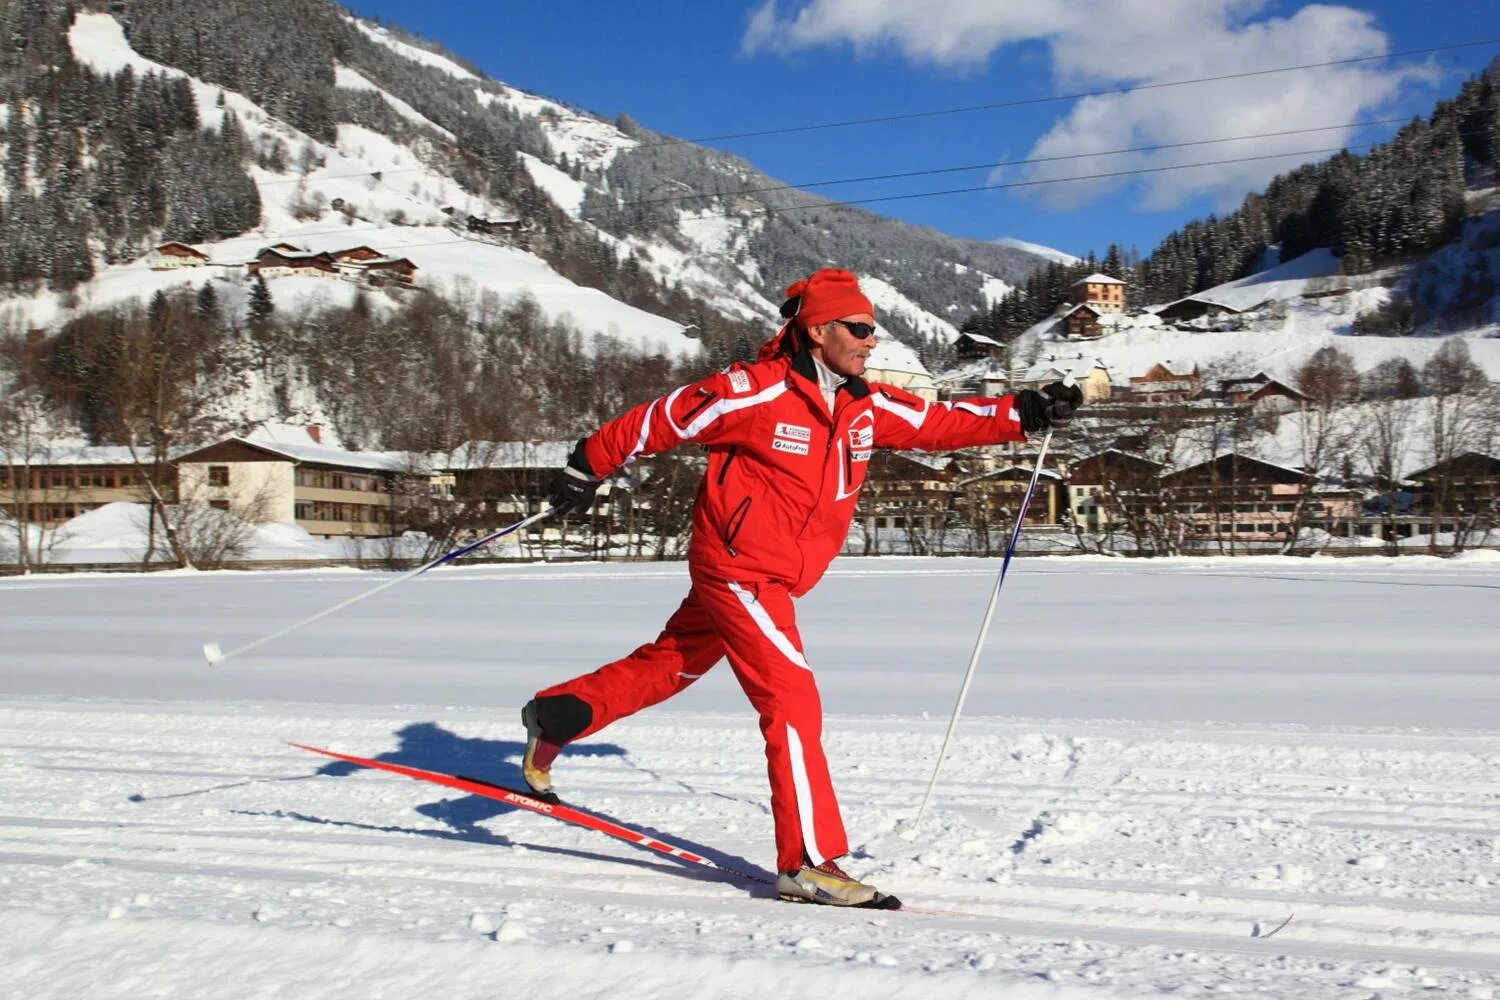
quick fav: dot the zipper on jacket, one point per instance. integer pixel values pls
(735, 523)
(724, 469)
(708, 397)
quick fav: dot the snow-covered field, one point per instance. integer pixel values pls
(1160, 761)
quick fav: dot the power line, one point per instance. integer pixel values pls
(1049, 180)
(1054, 98)
(877, 177)
(830, 204)
(966, 109)
(1003, 163)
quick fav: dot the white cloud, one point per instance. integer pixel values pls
(1104, 44)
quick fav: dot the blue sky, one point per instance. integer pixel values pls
(702, 69)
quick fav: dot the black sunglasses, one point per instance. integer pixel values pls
(860, 331)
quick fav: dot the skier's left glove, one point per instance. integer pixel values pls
(1054, 406)
(573, 486)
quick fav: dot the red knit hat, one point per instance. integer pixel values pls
(824, 295)
(828, 294)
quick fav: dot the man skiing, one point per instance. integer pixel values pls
(789, 438)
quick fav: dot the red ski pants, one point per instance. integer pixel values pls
(754, 625)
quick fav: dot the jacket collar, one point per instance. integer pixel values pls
(802, 364)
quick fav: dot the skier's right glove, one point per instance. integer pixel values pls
(573, 486)
(1052, 407)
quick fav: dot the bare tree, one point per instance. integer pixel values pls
(1323, 427)
(1462, 409)
(1386, 437)
(151, 380)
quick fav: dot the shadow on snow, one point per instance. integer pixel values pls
(430, 747)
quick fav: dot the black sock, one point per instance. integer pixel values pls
(562, 717)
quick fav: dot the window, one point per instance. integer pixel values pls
(338, 480)
(218, 475)
(219, 504)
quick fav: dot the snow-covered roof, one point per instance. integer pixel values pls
(1078, 368)
(382, 461)
(294, 255)
(507, 455)
(1097, 279)
(1205, 299)
(1181, 369)
(72, 454)
(174, 247)
(1315, 270)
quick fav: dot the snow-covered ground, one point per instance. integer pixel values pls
(1160, 761)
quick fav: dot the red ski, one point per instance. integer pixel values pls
(523, 800)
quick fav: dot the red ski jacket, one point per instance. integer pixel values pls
(783, 475)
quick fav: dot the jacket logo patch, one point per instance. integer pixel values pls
(794, 431)
(860, 456)
(739, 381)
(795, 447)
(862, 437)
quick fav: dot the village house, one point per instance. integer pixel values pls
(350, 262)
(1006, 487)
(1261, 389)
(1193, 307)
(1103, 293)
(506, 478)
(1083, 321)
(911, 491)
(1248, 500)
(171, 256)
(48, 489)
(1470, 484)
(325, 491)
(396, 268)
(893, 363)
(1165, 382)
(973, 346)
(1089, 374)
(277, 261)
(1100, 483)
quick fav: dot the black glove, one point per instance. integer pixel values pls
(572, 488)
(1052, 407)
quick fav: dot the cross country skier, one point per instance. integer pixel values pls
(789, 438)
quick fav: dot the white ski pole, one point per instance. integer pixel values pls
(214, 656)
(989, 613)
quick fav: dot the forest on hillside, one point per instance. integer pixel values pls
(1402, 199)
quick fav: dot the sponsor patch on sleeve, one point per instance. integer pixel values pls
(739, 381)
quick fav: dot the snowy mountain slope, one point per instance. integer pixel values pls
(151, 807)
(385, 182)
(1278, 339)
(1036, 248)
(707, 252)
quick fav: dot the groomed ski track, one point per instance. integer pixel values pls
(1131, 857)
(174, 845)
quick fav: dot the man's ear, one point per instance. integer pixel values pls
(817, 335)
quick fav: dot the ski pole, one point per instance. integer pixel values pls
(984, 628)
(214, 656)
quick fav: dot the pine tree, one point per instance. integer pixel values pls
(261, 307)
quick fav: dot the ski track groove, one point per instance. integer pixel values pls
(190, 841)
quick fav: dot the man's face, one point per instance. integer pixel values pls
(835, 344)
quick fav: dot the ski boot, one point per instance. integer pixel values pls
(830, 885)
(536, 764)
